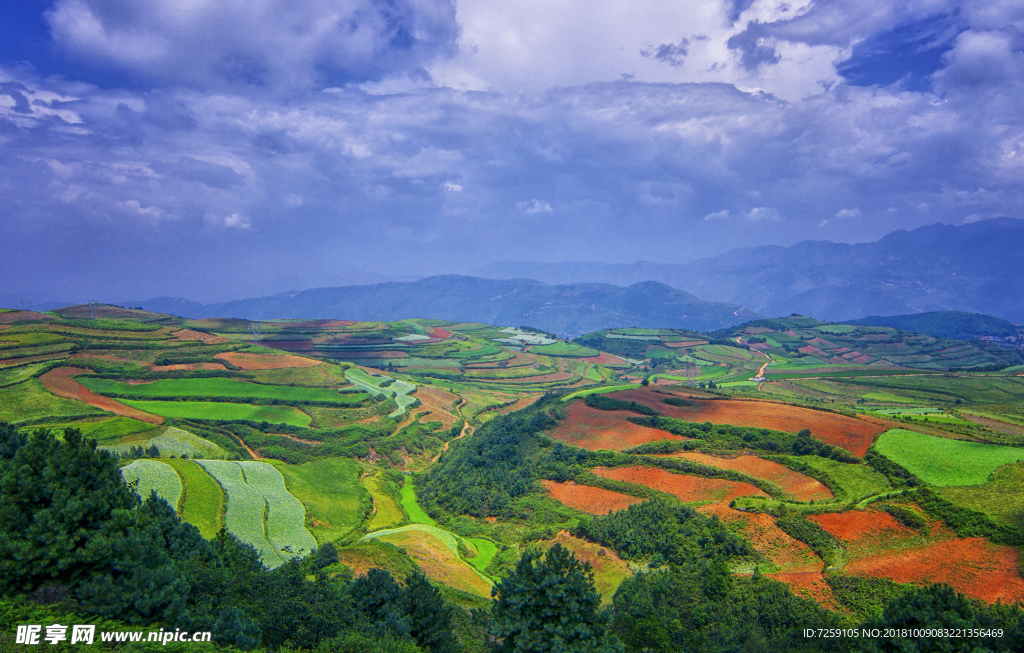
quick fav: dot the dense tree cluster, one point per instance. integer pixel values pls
(70, 527)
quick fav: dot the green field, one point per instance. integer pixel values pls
(386, 511)
(220, 387)
(153, 475)
(286, 516)
(203, 502)
(600, 390)
(943, 461)
(398, 389)
(104, 430)
(450, 540)
(416, 514)
(220, 410)
(857, 481)
(19, 373)
(29, 400)
(564, 349)
(329, 489)
(486, 550)
(1002, 497)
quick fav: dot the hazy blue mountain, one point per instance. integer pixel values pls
(948, 324)
(565, 309)
(973, 268)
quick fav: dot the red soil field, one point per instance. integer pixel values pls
(266, 362)
(187, 366)
(854, 525)
(854, 435)
(59, 382)
(768, 539)
(799, 567)
(605, 359)
(973, 566)
(800, 486)
(439, 333)
(519, 405)
(595, 500)
(590, 428)
(687, 488)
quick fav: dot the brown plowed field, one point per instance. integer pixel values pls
(687, 488)
(685, 343)
(187, 366)
(59, 382)
(590, 428)
(545, 378)
(192, 334)
(519, 405)
(21, 316)
(595, 500)
(973, 566)
(803, 488)
(854, 435)
(606, 359)
(439, 403)
(856, 525)
(266, 362)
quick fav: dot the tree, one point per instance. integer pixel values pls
(548, 603)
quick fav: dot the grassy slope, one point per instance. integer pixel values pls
(859, 481)
(29, 400)
(943, 461)
(1002, 497)
(329, 489)
(387, 512)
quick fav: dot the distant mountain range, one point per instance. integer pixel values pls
(951, 324)
(975, 268)
(567, 309)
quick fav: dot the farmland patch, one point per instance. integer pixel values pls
(685, 487)
(266, 361)
(329, 489)
(59, 382)
(219, 410)
(609, 569)
(202, 503)
(153, 476)
(590, 428)
(943, 461)
(797, 485)
(438, 561)
(595, 500)
(850, 433)
(172, 442)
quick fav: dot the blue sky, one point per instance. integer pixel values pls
(216, 149)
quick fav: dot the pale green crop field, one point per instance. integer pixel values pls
(153, 475)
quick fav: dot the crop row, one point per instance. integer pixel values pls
(153, 475)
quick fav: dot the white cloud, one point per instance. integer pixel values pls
(534, 207)
(717, 215)
(236, 221)
(759, 213)
(453, 187)
(848, 213)
(135, 208)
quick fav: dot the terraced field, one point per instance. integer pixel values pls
(153, 476)
(223, 411)
(255, 489)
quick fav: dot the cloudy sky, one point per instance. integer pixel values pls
(215, 149)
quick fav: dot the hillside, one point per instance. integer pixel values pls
(862, 467)
(971, 267)
(564, 309)
(951, 324)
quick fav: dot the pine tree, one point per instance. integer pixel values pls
(549, 604)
